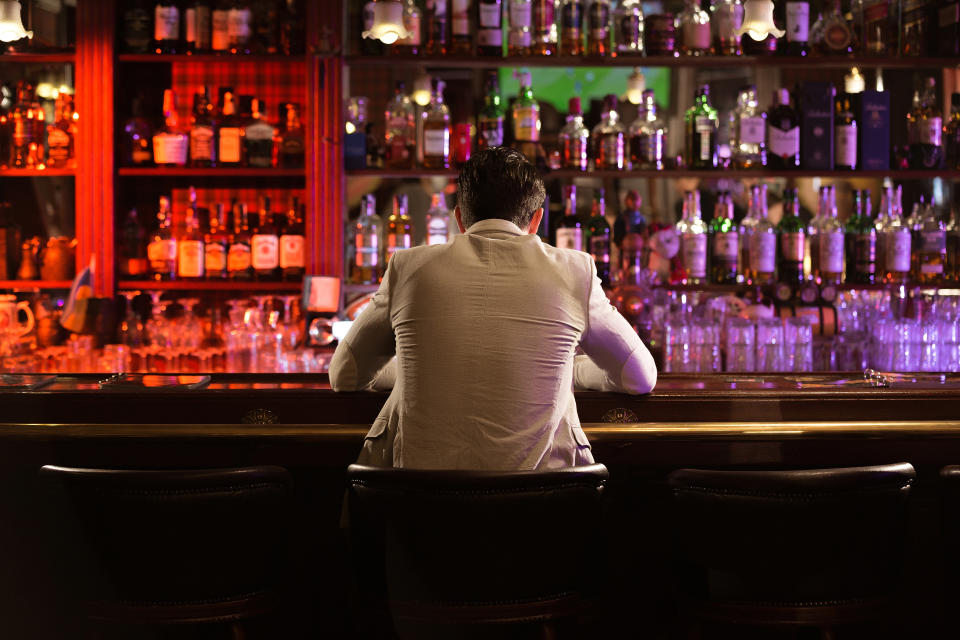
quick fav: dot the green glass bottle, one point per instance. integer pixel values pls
(861, 242)
(791, 241)
(701, 122)
(598, 237)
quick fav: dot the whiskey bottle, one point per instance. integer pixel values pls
(229, 131)
(293, 244)
(723, 241)
(215, 245)
(437, 28)
(239, 263)
(726, 18)
(628, 29)
(190, 252)
(791, 231)
(574, 139)
(265, 245)
(648, 136)
(166, 27)
(170, 143)
(828, 248)
(197, 26)
(202, 132)
(520, 38)
(526, 122)
(399, 227)
(763, 240)
(220, 27)
(571, 27)
(437, 130)
(598, 28)
(783, 134)
(461, 27)
(951, 141)
(750, 124)
(136, 35)
(569, 230)
(701, 121)
(845, 134)
(438, 220)
(258, 135)
(490, 118)
(609, 137)
(490, 28)
(61, 135)
(693, 23)
(797, 41)
(366, 240)
(544, 28)
(931, 254)
(291, 147)
(400, 138)
(897, 242)
(162, 249)
(925, 130)
(137, 138)
(239, 30)
(693, 240)
(598, 238)
(861, 242)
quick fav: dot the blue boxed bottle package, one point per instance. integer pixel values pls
(816, 125)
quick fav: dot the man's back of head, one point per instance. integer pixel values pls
(499, 182)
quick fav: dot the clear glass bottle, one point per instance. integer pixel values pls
(215, 245)
(693, 240)
(931, 253)
(925, 130)
(170, 143)
(726, 18)
(783, 134)
(190, 252)
(574, 139)
(437, 130)
(845, 134)
(401, 130)
(609, 137)
(598, 28)
(648, 136)
(792, 240)
(701, 121)
(750, 126)
(520, 38)
(762, 240)
(438, 220)
(258, 137)
(571, 27)
(162, 248)
(861, 242)
(628, 29)
(569, 229)
(399, 227)
(366, 241)
(490, 28)
(412, 22)
(896, 243)
(693, 24)
(490, 118)
(724, 241)
(598, 237)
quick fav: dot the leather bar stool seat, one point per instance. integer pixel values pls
(819, 548)
(170, 547)
(459, 554)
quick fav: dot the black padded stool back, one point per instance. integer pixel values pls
(182, 546)
(480, 546)
(789, 538)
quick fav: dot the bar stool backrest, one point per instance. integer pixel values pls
(820, 536)
(177, 545)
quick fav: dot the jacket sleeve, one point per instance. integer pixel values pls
(363, 359)
(615, 358)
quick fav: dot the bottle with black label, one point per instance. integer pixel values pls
(265, 244)
(292, 244)
(166, 27)
(238, 256)
(861, 242)
(783, 134)
(845, 134)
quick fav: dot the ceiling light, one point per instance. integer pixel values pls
(387, 22)
(758, 20)
(11, 27)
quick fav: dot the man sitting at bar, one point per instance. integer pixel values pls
(484, 329)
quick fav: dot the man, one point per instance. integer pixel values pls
(484, 330)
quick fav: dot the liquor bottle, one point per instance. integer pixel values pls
(239, 31)
(574, 139)
(628, 29)
(490, 28)
(220, 27)
(520, 38)
(526, 122)
(925, 130)
(861, 242)
(437, 28)
(239, 262)
(293, 259)
(693, 240)
(136, 34)
(399, 227)
(750, 125)
(202, 132)
(24, 135)
(648, 136)
(461, 27)
(137, 138)
(291, 29)
(438, 220)
(598, 28)
(797, 40)
(437, 130)
(701, 123)
(162, 249)
(783, 134)
(930, 255)
(133, 247)
(726, 18)
(190, 252)
(544, 28)
(197, 26)
(490, 117)
(746, 231)
(598, 237)
(411, 44)
(845, 134)
(791, 231)
(265, 244)
(61, 135)
(166, 27)
(170, 143)
(215, 245)
(291, 147)
(829, 241)
(951, 142)
(571, 27)
(569, 234)
(897, 244)
(948, 32)
(763, 241)
(693, 23)
(229, 131)
(609, 137)
(258, 136)
(400, 135)
(366, 239)
(834, 35)
(723, 241)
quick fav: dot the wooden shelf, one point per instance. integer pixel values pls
(718, 174)
(38, 58)
(35, 173)
(211, 172)
(836, 62)
(206, 58)
(35, 284)
(207, 285)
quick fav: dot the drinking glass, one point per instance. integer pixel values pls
(770, 344)
(798, 344)
(740, 344)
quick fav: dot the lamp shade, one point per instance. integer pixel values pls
(387, 22)
(11, 27)
(758, 20)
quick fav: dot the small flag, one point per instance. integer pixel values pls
(75, 311)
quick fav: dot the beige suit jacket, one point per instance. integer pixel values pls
(485, 329)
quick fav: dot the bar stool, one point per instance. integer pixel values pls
(173, 547)
(459, 554)
(817, 548)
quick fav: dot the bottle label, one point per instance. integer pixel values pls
(215, 258)
(931, 131)
(831, 252)
(570, 238)
(695, 254)
(170, 148)
(933, 241)
(461, 17)
(763, 252)
(238, 258)
(865, 253)
(600, 248)
(706, 127)
(161, 252)
(291, 252)
(368, 249)
(229, 144)
(490, 131)
(221, 31)
(898, 251)
(798, 21)
(166, 23)
(785, 144)
(598, 20)
(526, 123)
(752, 130)
(521, 14)
(791, 246)
(696, 35)
(191, 259)
(201, 143)
(726, 245)
(436, 143)
(238, 25)
(846, 145)
(265, 251)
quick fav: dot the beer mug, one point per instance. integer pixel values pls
(9, 320)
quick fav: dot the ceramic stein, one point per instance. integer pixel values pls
(9, 320)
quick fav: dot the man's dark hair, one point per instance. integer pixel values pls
(499, 182)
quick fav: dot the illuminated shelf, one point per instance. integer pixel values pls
(206, 57)
(35, 284)
(211, 172)
(35, 173)
(718, 174)
(38, 58)
(207, 285)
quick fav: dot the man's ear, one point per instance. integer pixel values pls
(535, 221)
(456, 214)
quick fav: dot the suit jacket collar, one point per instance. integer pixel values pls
(495, 226)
